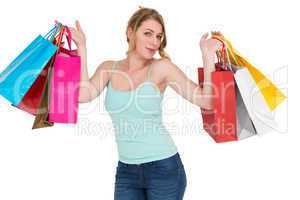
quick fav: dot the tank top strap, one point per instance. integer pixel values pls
(149, 71)
(114, 65)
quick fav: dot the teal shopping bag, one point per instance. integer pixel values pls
(20, 74)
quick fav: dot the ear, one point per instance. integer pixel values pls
(129, 33)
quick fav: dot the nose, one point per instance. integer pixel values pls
(155, 42)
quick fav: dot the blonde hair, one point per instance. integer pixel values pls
(135, 21)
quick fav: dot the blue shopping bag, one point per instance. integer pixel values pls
(21, 73)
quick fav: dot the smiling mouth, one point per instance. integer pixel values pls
(151, 50)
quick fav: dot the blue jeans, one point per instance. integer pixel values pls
(157, 180)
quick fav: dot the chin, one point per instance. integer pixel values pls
(147, 56)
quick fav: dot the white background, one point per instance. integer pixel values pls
(78, 162)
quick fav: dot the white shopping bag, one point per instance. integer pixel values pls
(244, 125)
(259, 112)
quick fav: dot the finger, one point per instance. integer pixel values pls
(204, 36)
(219, 33)
(214, 32)
(219, 44)
(78, 27)
(72, 30)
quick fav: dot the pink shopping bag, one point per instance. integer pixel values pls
(64, 84)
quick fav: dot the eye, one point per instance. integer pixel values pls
(148, 33)
(159, 37)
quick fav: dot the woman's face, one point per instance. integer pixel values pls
(148, 38)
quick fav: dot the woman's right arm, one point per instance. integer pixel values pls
(89, 88)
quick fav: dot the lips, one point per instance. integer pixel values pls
(151, 50)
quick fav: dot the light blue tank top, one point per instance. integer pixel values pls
(137, 119)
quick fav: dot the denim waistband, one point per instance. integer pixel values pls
(174, 158)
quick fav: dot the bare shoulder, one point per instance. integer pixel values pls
(162, 62)
(164, 67)
(105, 68)
(106, 64)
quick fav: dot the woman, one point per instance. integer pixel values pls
(149, 165)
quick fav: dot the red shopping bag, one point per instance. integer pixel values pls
(220, 122)
(32, 99)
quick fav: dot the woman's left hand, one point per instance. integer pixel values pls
(78, 35)
(209, 46)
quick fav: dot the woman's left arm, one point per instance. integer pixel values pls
(177, 80)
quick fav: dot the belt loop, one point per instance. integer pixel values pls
(177, 158)
(153, 163)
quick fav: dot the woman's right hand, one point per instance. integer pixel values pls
(78, 35)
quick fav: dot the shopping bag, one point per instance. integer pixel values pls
(32, 99)
(21, 73)
(245, 127)
(272, 95)
(231, 102)
(42, 114)
(261, 116)
(260, 119)
(220, 121)
(228, 126)
(65, 84)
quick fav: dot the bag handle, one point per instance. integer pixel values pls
(60, 36)
(69, 37)
(57, 43)
(224, 54)
(51, 34)
(66, 31)
(231, 51)
(228, 59)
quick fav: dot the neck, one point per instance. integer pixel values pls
(135, 62)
